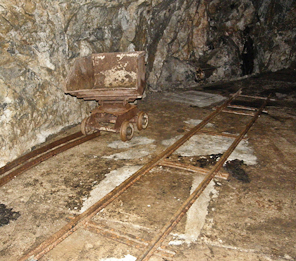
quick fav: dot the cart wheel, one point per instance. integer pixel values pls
(126, 131)
(142, 121)
(83, 126)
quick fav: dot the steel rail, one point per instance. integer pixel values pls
(81, 219)
(239, 112)
(16, 172)
(214, 133)
(191, 168)
(245, 108)
(172, 223)
(9, 166)
(125, 238)
(256, 97)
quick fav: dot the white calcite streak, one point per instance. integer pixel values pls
(112, 180)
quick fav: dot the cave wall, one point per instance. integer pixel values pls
(187, 42)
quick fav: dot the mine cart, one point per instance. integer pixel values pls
(115, 80)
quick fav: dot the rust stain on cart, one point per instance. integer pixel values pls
(115, 80)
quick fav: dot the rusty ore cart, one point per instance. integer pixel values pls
(115, 80)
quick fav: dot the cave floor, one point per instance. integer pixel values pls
(233, 220)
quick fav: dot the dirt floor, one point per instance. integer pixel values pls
(248, 217)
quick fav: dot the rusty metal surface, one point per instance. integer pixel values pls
(142, 120)
(214, 133)
(126, 116)
(109, 117)
(177, 165)
(102, 95)
(35, 161)
(82, 74)
(126, 239)
(241, 112)
(108, 76)
(36, 152)
(256, 97)
(112, 79)
(245, 108)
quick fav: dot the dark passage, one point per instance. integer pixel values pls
(247, 54)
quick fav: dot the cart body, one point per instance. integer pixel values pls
(108, 77)
(114, 80)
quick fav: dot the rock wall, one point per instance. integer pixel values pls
(224, 40)
(187, 42)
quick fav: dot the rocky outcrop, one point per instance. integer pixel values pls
(230, 39)
(187, 42)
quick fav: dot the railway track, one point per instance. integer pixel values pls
(35, 157)
(84, 220)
